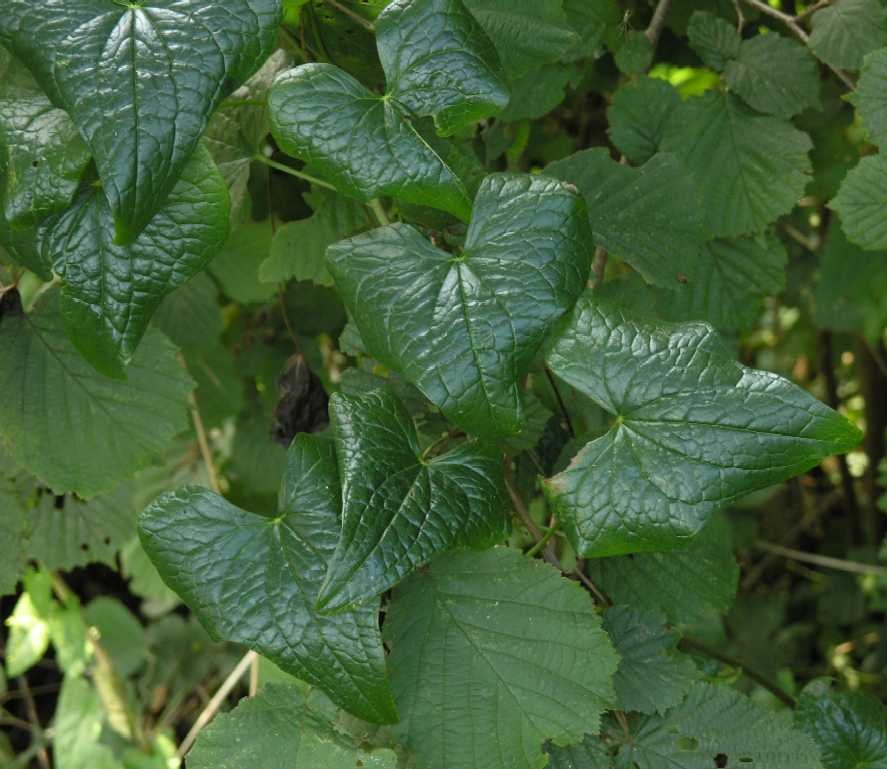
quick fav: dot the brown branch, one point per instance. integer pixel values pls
(354, 16)
(31, 709)
(826, 561)
(657, 23)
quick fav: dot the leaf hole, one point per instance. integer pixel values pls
(84, 547)
(59, 502)
(721, 760)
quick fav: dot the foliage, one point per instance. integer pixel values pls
(469, 370)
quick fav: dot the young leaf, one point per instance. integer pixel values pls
(849, 727)
(846, 30)
(717, 726)
(79, 431)
(687, 585)
(140, 81)
(652, 676)
(694, 430)
(278, 729)
(715, 40)
(464, 328)
(860, 203)
(503, 652)
(638, 114)
(110, 292)
(399, 509)
(252, 579)
(649, 216)
(749, 168)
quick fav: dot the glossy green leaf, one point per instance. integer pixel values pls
(652, 676)
(526, 33)
(717, 724)
(140, 81)
(850, 727)
(860, 203)
(774, 75)
(44, 155)
(693, 430)
(870, 96)
(298, 249)
(399, 507)
(638, 114)
(252, 579)
(846, 30)
(278, 729)
(688, 585)
(650, 216)
(110, 292)
(715, 40)
(465, 327)
(749, 168)
(78, 430)
(504, 652)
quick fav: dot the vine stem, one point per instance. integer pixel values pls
(293, 172)
(379, 211)
(212, 707)
(691, 644)
(839, 564)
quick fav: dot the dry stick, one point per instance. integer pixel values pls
(203, 443)
(657, 23)
(839, 564)
(356, 17)
(31, 708)
(215, 703)
(691, 644)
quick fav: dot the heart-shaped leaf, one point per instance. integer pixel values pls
(694, 430)
(252, 579)
(111, 291)
(400, 508)
(464, 327)
(140, 80)
(438, 63)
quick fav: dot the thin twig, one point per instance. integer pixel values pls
(839, 564)
(657, 23)
(31, 709)
(203, 443)
(215, 703)
(254, 677)
(740, 18)
(560, 402)
(598, 266)
(691, 644)
(354, 16)
(804, 15)
(552, 530)
(293, 172)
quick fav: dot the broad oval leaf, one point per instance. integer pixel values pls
(78, 430)
(693, 430)
(399, 508)
(715, 40)
(844, 31)
(110, 292)
(140, 81)
(860, 203)
(252, 579)
(491, 654)
(465, 327)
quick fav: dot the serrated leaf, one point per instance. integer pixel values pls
(715, 40)
(870, 96)
(860, 203)
(718, 726)
(298, 249)
(110, 292)
(277, 729)
(649, 215)
(635, 53)
(749, 168)
(252, 579)
(846, 30)
(731, 278)
(526, 33)
(693, 431)
(652, 676)
(79, 431)
(638, 114)
(464, 328)
(44, 155)
(539, 91)
(502, 650)
(140, 82)
(591, 753)
(849, 727)
(591, 20)
(399, 508)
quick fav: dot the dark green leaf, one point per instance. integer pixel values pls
(400, 508)
(749, 168)
(693, 431)
(79, 431)
(252, 579)
(635, 53)
(846, 30)
(638, 114)
(110, 292)
(715, 40)
(849, 727)
(591, 20)
(589, 754)
(237, 266)
(860, 203)
(140, 81)
(503, 651)
(649, 216)
(870, 96)
(464, 328)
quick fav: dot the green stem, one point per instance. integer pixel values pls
(552, 530)
(379, 212)
(293, 172)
